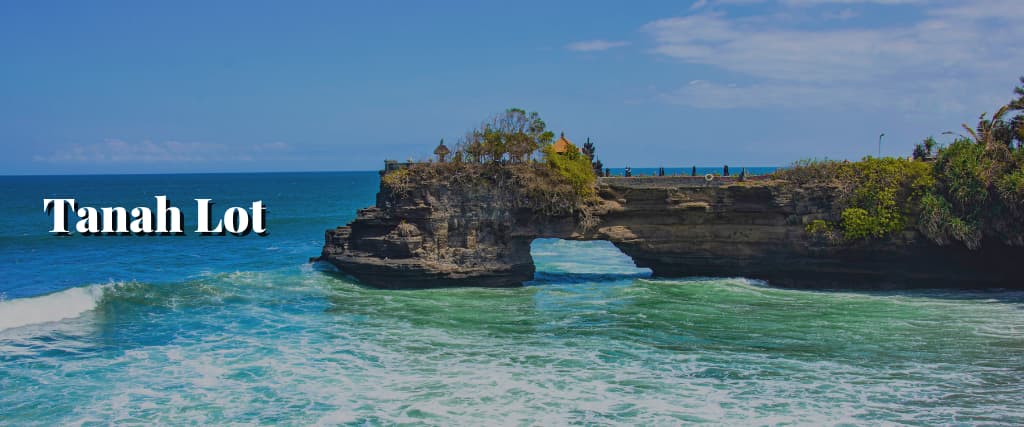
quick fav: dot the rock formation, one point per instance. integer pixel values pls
(440, 233)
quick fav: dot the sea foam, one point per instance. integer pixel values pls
(66, 304)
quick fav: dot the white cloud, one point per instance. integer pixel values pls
(1009, 10)
(820, 2)
(801, 3)
(853, 54)
(118, 151)
(705, 94)
(701, 3)
(926, 96)
(811, 67)
(595, 45)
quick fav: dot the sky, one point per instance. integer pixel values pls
(169, 87)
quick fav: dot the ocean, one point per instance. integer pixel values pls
(212, 330)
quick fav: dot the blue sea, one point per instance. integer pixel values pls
(220, 330)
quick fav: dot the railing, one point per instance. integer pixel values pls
(677, 180)
(691, 171)
(393, 165)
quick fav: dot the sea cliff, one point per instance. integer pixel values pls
(477, 231)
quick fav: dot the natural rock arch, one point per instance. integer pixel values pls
(440, 236)
(574, 260)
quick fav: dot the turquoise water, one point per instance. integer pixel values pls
(220, 330)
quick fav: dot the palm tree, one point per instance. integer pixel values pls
(1018, 104)
(984, 132)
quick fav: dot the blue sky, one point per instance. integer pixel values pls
(136, 87)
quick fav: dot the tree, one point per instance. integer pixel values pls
(980, 183)
(1017, 122)
(495, 146)
(998, 132)
(590, 151)
(987, 131)
(513, 135)
(1018, 104)
(923, 150)
(1017, 130)
(473, 147)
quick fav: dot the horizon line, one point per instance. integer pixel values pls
(316, 171)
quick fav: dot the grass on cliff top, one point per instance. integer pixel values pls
(549, 188)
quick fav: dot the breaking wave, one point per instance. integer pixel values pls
(66, 304)
(74, 302)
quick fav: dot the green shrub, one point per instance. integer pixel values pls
(822, 231)
(938, 223)
(573, 166)
(858, 224)
(960, 168)
(887, 190)
(980, 192)
(1011, 190)
(876, 197)
(973, 190)
(818, 226)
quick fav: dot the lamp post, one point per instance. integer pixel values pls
(880, 144)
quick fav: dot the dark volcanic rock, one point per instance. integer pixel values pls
(445, 234)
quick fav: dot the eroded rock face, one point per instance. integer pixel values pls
(435, 235)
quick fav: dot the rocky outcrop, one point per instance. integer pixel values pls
(439, 234)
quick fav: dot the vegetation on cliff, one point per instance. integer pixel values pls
(574, 167)
(590, 151)
(513, 154)
(532, 185)
(966, 192)
(513, 136)
(979, 191)
(874, 197)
